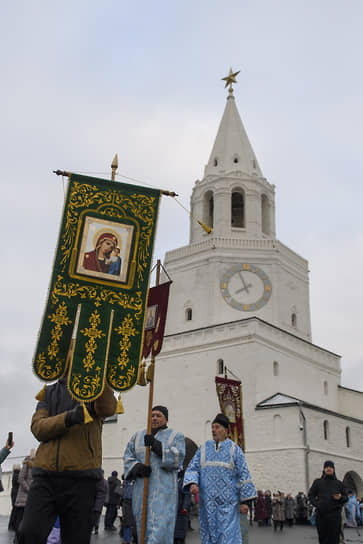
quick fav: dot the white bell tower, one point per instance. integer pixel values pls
(240, 269)
(233, 197)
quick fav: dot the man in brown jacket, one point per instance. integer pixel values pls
(66, 467)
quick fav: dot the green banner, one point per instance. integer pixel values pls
(99, 286)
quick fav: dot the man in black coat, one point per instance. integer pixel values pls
(328, 496)
(113, 501)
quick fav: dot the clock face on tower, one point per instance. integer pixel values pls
(246, 287)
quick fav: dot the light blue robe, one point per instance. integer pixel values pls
(352, 512)
(163, 484)
(224, 480)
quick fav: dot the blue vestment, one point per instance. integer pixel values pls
(352, 512)
(163, 484)
(224, 480)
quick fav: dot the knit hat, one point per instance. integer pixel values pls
(222, 420)
(163, 410)
(114, 473)
(329, 464)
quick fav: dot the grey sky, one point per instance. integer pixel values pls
(83, 80)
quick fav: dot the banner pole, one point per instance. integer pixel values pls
(148, 431)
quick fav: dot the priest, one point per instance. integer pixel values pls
(219, 473)
(166, 458)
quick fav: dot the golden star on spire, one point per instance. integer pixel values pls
(231, 78)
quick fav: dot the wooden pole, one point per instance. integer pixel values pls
(148, 430)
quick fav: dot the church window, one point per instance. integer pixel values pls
(293, 320)
(208, 209)
(235, 160)
(215, 162)
(265, 215)
(347, 436)
(276, 368)
(325, 388)
(238, 210)
(277, 427)
(220, 366)
(254, 163)
(188, 314)
(326, 429)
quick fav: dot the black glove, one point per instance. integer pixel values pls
(74, 416)
(141, 471)
(149, 439)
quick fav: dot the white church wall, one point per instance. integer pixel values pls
(350, 401)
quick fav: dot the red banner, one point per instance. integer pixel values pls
(230, 400)
(157, 308)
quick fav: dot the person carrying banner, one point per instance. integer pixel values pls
(66, 467)
(167, 455)
(219, 473)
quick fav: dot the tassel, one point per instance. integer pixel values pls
(87, 417)
(207, 229)
(141, 375)
(41, 395)
(150, 372)
(120, 408)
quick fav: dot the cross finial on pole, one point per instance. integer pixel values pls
(114, 167)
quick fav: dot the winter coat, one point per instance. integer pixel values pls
(101, 492)
(322, 491)
(4, 452)
(278, 509)
(14, 485)
(25, 479)
(260, 507)
(289, 508)
(113, 484)
(301, 507)
(77, 450)
(181, 523)
(268, 506)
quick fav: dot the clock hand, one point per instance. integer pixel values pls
(245, 286)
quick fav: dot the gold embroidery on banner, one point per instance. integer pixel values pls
(93, 333)
(97, 295)
(126, 329)
(86, 387)
(45, 370)
(60, 318)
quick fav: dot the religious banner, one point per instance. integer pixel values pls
(229, 394)
(98, 290)
(157, 308)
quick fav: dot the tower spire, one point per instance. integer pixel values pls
(232, 149)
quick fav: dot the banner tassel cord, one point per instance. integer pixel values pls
(120, 408)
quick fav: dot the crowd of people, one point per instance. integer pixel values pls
(279, 509)
(59, 493)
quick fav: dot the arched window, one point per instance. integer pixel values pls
(215, 162)
(347, 436)
(276, 368)
(293, 320)
(208, 209)
(188, 314)
(277, 427)
(238, 210)
(265, 215)
(220, 366)
(326, 429)
(325, 387)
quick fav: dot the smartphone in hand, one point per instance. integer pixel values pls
(10, 439)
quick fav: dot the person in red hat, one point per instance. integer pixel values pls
(99, 259)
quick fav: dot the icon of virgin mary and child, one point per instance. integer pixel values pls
(105, 258)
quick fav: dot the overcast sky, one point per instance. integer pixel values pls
(82, 80)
